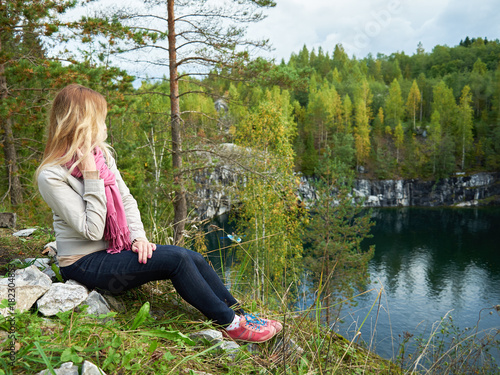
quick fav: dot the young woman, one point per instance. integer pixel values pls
(101, 241)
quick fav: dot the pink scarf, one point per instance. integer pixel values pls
(116, 231)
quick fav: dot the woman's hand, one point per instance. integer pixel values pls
(144, 249)
(87, 163)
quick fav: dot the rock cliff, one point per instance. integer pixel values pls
(216, 189)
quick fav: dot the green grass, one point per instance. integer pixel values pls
(134, 342)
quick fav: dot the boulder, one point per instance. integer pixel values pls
(7, 219)
(29, 284)
(61, 297)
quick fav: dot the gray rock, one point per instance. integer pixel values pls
(114, 303)
(24, 232)
(230, 348)
(29, 284)
(67, 368)
(61, 297)
(50, 249)
(97, 305)
(7, 219)
(89, 368)
(43, 264)
(211, 335)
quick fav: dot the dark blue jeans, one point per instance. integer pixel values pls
(193, 278)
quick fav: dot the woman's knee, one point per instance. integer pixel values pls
(175, 257)
(197, 257)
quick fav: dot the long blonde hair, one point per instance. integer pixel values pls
(77, 121)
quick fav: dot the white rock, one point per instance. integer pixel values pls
(50, 249)
(29, 284)
(24, 232)
(74, 282)
(67, 368)
(61, 297)
(89, 368)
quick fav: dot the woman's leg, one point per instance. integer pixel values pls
(193, 278)
(215, 282)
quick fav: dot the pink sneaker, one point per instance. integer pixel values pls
(251, 331)
(265, 322)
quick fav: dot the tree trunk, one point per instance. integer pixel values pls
(15, 188)
(180, 205)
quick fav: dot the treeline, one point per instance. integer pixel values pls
(428, 115)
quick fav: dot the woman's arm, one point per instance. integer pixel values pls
(129, 204)
(85, 214)
(141, 245)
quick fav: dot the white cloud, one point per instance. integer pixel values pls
(368, 26)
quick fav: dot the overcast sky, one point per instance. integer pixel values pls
(375, 26)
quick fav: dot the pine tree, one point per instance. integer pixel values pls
(195, 36)
(338, 226)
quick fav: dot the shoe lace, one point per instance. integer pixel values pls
(254, 320)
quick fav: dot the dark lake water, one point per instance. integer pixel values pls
(428, 264)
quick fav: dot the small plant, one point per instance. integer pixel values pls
(451, 350)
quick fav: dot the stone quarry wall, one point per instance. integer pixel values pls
(216, 189)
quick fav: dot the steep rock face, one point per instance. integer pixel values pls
(460, 190)
(216, 191)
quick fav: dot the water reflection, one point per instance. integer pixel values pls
(430, 262)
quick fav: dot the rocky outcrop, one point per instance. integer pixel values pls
(216, 191)
(216, 186)
(454, 191)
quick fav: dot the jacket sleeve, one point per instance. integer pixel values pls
(86, 213)
(129, 204)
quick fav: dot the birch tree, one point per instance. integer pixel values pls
(413, 102)
(465, 124)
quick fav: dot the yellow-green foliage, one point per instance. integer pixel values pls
(270, 215)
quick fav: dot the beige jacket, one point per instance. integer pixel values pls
(79, 208)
